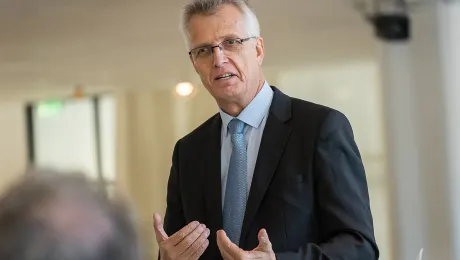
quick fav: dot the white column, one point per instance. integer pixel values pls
(449, 27)
(403, 151)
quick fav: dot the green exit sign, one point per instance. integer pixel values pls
(50, 108)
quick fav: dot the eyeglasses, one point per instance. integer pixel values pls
(229, 46)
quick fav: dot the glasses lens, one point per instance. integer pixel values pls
(201, 53)
(232, 45)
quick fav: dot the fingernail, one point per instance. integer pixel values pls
(208, 232)
(195, 223)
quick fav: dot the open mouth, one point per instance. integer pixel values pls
(225, 76)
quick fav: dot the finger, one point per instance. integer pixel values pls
(227, 247)
(188, 241)
(158, 227)
(256, 255)
(221, 245)
(264, 242)
(183, 233)
(225, 255)
(196, 245)
(200, 250)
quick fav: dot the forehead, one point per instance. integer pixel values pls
(207, 29)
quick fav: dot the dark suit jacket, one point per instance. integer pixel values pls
(309, 188)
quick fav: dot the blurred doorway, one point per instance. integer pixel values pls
(74, 135)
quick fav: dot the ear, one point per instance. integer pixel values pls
(260, 50)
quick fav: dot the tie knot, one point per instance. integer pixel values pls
(236, 126)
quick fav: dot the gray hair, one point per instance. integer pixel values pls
(210, 7)
(55, 216)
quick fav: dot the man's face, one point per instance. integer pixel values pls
(231, 74)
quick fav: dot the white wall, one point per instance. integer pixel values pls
(13, 146)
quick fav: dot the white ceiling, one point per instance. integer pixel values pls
(49, 43)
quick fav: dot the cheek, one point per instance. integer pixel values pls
(241, 64)
(203, 72)
(247, 69)
(248, 61)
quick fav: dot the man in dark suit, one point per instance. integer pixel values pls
(269, 176)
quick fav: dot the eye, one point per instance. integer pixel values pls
(231, 41)
(202, 51)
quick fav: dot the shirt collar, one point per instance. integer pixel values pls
(255, 112)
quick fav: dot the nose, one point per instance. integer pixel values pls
(219, 57)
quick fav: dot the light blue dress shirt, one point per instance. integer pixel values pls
(255, 116)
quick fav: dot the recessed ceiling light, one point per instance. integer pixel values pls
(184, 89)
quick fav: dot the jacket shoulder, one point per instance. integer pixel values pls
(203, 131)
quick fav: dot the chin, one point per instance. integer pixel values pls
(227, 91)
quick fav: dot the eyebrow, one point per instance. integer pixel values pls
(223, 38)
(201, 46)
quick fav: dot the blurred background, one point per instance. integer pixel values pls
(93, 85)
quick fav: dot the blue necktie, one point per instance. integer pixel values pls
(236, 189)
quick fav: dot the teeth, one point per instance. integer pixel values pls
(228, 75)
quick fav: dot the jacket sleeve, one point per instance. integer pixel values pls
(345, 220)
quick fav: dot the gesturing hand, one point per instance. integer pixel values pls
(189, 243)
(230, 251)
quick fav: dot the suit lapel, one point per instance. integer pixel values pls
(274, 138)
(212, 176)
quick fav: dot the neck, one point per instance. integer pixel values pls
(234, 108)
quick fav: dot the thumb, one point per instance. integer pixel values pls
(264, 241)
(158, 227)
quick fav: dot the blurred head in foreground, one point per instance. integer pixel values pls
(53, 216)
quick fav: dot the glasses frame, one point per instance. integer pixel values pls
(212, 47)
